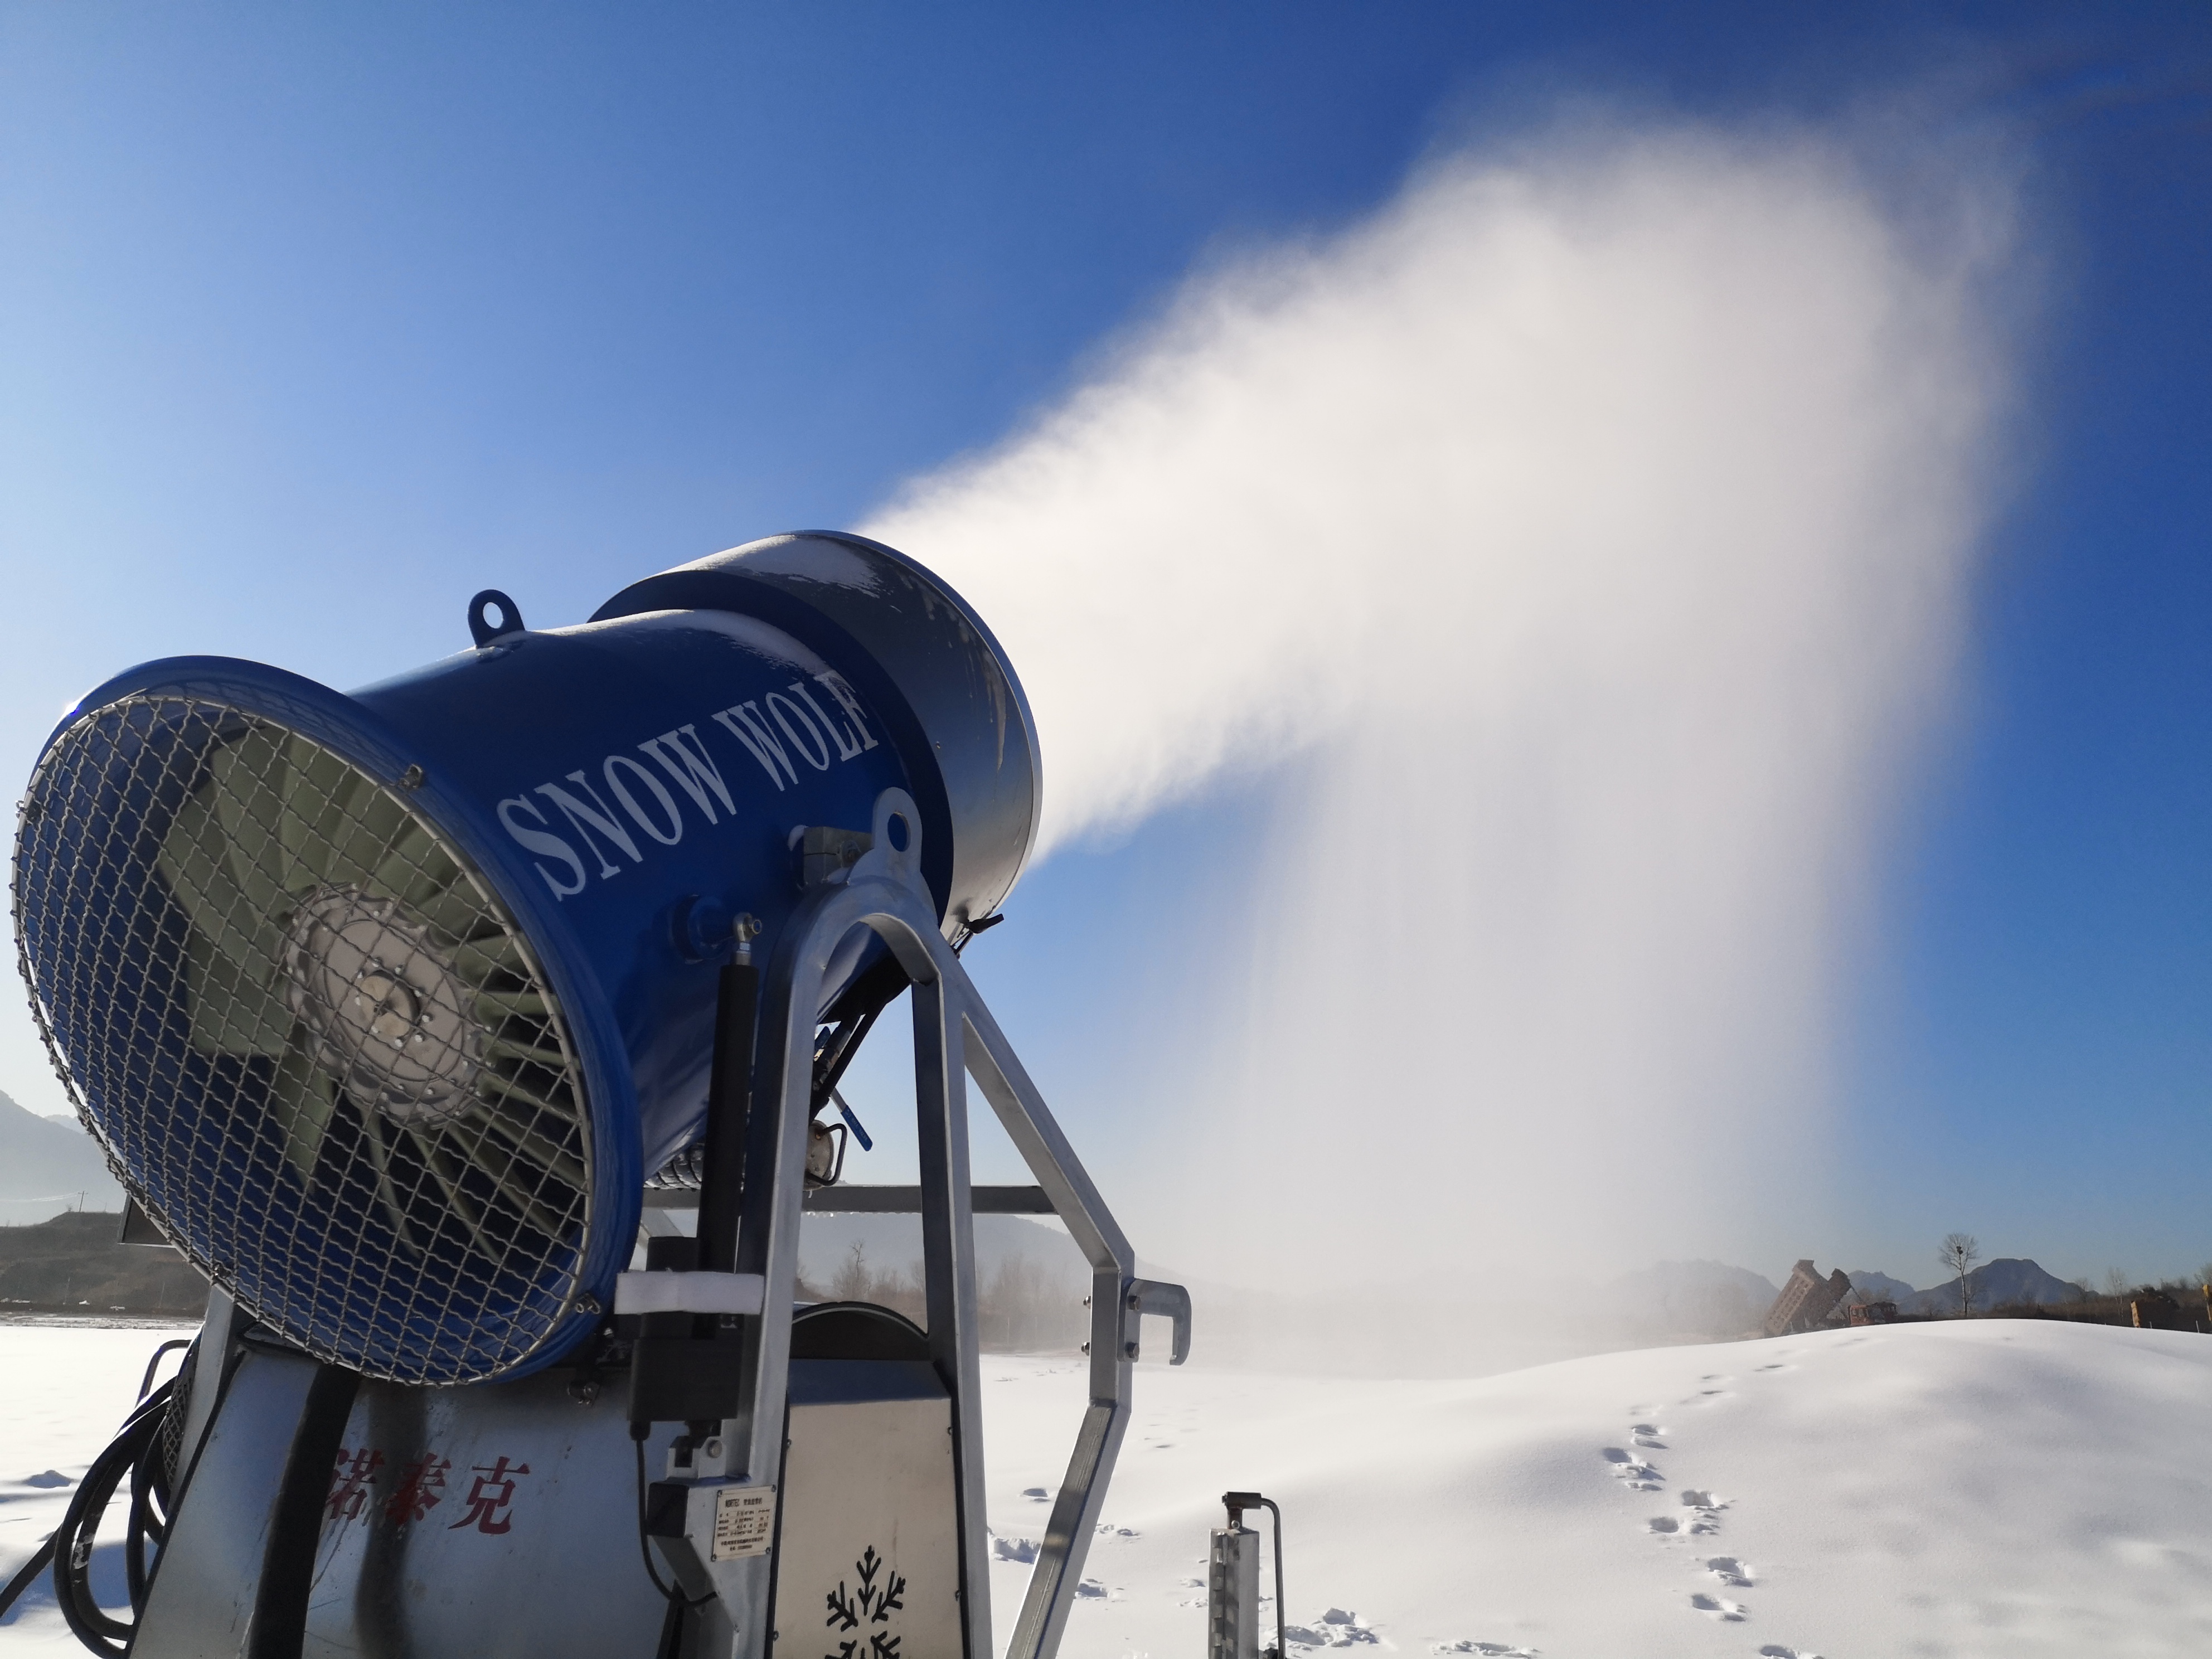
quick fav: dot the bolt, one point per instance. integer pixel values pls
(1130, 1349)
(713, 1447)
(411, 779)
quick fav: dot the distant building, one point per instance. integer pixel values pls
(1806, 1300)
(1874, 1313)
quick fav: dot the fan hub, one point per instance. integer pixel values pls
(389, 1016)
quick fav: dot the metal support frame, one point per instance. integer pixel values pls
(955, 1038)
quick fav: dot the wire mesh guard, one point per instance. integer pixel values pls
(315, 1044)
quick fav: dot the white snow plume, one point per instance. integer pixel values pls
(1589, 533)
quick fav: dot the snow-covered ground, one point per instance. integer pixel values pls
(1992, 1488)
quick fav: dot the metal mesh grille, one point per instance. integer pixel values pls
(314, 1044)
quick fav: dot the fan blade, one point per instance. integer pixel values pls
(555, 1160)
(337, 821)
(416, 872)
(519, 1180)
(485, 961)
(529, 1053)
(439, 1162)
(387, 1194)
(301, 1099)
(493, 1007)
(231, 976)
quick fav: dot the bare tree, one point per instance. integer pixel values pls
(854, 1282)
(2115, 1281)
(1960, 1253)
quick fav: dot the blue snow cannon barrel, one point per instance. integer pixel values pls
(384, 1004)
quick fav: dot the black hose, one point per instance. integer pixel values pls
(148, 1517)
(74, 1539)
(146, 1382)
(671, 1646)
(673, 1593)
(137, 1449)
(295, 1532)
(27, 1576)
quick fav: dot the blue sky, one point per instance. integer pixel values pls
(314, 322)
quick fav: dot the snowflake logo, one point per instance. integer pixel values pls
(872, 1604)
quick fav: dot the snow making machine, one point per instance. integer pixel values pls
(406, 1015)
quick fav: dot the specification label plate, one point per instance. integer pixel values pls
(744, 1522)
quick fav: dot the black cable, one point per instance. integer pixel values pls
(673, 1595)
(27, 1576)
(671, 1646)
(288, 1561)
(74, 1539)
(137, 1450)
(147, 1382)
(149, 1516)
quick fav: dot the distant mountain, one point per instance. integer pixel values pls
(43, 1167)
(2005, 1281)
(1881, 1284)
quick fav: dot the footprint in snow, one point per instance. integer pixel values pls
(46, 1479)
(1705, 1511)
(1730, 1571)
(1013, 1549)
(1495, 1649)
(1720, 1607)
(1036, 1494)
(1090, 1590)
(1628, 1467)
(1776, 1650)
(1704, 1517)
(1647, 1436)
(1337, 1628)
